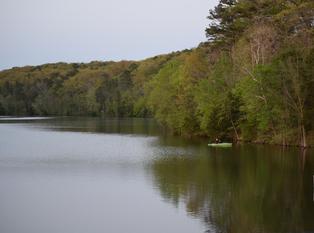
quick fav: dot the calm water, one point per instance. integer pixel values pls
(79, 175)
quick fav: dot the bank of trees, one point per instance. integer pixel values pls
(252, 80)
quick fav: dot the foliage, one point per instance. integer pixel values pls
(251, 81)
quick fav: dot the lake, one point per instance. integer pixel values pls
(79, 175)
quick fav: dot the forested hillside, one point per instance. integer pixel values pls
(253, 80)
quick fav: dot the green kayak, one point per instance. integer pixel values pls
(220, 144)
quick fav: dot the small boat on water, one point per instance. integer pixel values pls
(223, 144)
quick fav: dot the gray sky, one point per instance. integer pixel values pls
(41, 31)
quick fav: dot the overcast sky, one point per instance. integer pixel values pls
(43, 31)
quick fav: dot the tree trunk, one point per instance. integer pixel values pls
(303, 136)
(235, 130)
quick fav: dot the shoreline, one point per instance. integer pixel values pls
(240, 141)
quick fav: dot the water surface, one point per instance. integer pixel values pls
(129, 175)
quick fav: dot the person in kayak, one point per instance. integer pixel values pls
(217, 140)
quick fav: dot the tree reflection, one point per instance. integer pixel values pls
(247, 189)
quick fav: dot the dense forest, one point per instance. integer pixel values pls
(253, 80)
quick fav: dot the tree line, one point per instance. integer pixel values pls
(251, 81)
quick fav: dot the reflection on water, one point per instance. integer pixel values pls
(129, 175)
(248, 189)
